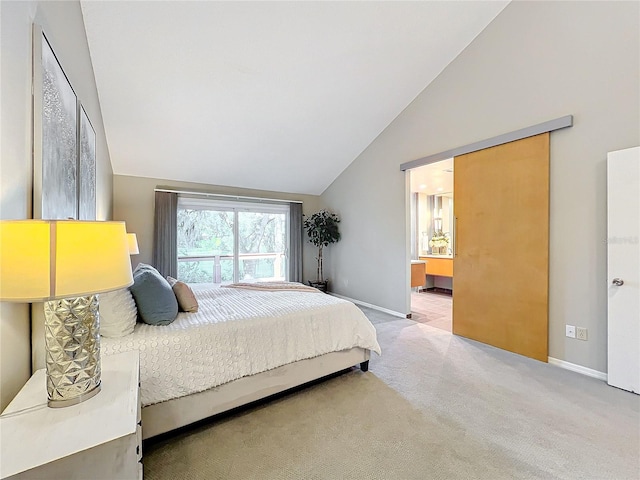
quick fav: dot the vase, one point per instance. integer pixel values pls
(322, 286)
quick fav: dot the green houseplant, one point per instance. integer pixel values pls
(322, 229)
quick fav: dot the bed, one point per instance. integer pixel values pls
(242, 345)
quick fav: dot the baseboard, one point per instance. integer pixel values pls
(369, 305)
(589, 372)
(446, 291)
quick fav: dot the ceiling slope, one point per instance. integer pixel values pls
(278, 96)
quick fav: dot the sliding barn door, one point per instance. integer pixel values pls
(501, 263)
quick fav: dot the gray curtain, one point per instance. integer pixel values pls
(165, 234)
(295, 242)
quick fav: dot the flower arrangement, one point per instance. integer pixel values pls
(439, 243)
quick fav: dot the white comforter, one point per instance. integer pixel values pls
(237, 333)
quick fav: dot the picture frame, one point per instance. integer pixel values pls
(86, 167)
(55, 120)
(64, 141)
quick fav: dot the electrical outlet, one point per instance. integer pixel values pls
(571, 331)
(581, 333)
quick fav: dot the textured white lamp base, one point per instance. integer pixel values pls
(72, 350)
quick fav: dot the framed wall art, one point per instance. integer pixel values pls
(86, 168)
(55, 136)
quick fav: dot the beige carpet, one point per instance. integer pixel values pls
(434, 406)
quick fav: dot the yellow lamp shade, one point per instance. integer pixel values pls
(52, 259)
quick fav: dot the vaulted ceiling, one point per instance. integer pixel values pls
(278, 96)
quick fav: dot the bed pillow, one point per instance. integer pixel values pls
(186, 299)
(118, 313)
(156, 302)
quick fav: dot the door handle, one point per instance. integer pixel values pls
(455, 236)
(618, 282)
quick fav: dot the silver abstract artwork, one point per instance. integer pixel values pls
(59, 140)
(87, 169)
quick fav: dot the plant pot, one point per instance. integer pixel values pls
(322, 286)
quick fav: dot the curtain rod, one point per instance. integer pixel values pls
(237, 197)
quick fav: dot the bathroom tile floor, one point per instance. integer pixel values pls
(433, 309)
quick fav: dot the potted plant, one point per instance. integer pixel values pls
(322, 229)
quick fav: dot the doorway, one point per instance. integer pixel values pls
(498, 245)
(502, 250)
(432, 219)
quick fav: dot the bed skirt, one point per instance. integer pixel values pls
(166, 416)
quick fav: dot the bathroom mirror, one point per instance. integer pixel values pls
(435, 223)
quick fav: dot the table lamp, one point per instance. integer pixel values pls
(133, 244)
(65, 263)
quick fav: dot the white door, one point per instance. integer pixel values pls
(623, 271)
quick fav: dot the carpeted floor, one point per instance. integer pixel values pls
(434, 406)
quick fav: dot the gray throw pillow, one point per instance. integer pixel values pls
(156, 302)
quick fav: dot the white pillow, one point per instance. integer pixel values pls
(118, 313)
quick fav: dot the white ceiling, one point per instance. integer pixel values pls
(433, 179)
(278, 96)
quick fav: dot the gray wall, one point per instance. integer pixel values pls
(63, 23)
(536, 61)
(134, 203)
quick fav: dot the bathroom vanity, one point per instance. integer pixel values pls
(438, 271)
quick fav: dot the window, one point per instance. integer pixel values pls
(223, 241)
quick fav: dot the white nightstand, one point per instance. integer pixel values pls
(100, 438)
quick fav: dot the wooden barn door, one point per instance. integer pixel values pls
(501, 263)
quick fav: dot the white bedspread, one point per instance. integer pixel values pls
(237, 333)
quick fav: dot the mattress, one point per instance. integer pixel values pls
(237, 333)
